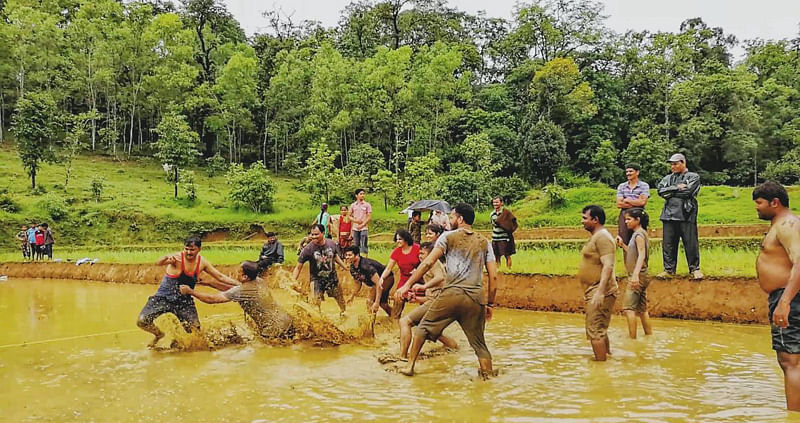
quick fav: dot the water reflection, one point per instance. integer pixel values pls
(687, 371)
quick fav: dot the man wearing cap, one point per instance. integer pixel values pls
(631, 194)
(679, 217)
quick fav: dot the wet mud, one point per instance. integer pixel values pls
(734, 300)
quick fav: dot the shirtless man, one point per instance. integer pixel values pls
(254, 298)
(183, 268)
(596, 274)
(778, 268)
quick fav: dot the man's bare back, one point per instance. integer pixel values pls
(773, 265)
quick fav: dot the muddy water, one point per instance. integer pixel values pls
(84, 360)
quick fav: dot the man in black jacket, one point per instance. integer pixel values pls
(679, 190)
(271, 253)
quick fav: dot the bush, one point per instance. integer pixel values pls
(187, 184)
(544, 147)
(54, 206)
(651, 154)
(566, 178)
(7, 204)
(556, 195)
(511, 188)
(293, 164)
(784, 172)
(96, 185)
(216, 165)
(251, 188)
(461, 187)
(364, 161)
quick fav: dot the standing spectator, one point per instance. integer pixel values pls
(32, 239)
(361, 213)
(22, 237)
(503, 226)
(324, 219)
(679, 217)
(415, 226)
(39, 239)
(630, 195)
(271, 252)
(48, 241)
(345, 230)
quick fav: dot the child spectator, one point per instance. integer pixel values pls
(22, 237)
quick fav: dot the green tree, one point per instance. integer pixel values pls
(321, 174)
(35, 127)
(545, 149)
(252, 187)
(365, 161)
(386, 183)
(651, 155)
(74, 141)
(604, 163)
(176, 145)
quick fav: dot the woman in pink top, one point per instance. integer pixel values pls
(406, 257)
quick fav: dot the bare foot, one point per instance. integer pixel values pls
(408, 372)
(487, 374)
(155, 340)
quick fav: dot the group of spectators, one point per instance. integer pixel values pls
(36, 241)
(678, 217)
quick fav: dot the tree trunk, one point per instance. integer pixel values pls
(2, 114)
(175, 179)
(33, 178)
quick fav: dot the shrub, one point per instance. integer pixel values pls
(544, 147)
(293, 164)
(7, 204)
(187, 183)
(784, 172)
(216, 165)
(651, 154)
(251, 188)
(511, 188)
(556, 195)
(54, 206)
(461, 187)
(566, 178)
(364, 161)
(96, 185)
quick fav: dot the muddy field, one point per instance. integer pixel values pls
(735, 300)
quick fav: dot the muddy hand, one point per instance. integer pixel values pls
(781, 315)
(185, 290)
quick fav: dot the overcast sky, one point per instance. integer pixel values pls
(769, 19)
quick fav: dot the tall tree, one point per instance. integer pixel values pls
(177, 144)
(36, 123)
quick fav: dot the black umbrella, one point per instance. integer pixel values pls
(432, 205)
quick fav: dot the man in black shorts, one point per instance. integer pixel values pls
(321, 253)
(461, 299)
(778, 268)
(366, 271)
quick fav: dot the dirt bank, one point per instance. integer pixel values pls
(736, 300)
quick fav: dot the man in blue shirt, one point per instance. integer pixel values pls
(631, 194)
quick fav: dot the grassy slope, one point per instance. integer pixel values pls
(137, 205)
(717, 205)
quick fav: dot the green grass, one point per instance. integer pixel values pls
(715, 260)
(137, 205)
(717, 205)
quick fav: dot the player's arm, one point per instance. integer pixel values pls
(605, 276)
(221, 281)
(168, 259)
(637, 268)
(788, 234)
(420, 271)
(206, 297)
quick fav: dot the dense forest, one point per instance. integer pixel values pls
(412, 98)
